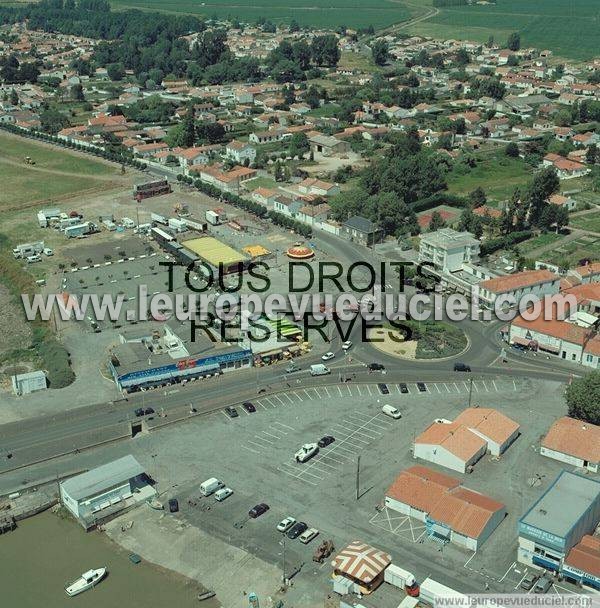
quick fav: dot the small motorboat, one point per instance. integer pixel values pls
(155, 504)
(206, 595)
(86, 581)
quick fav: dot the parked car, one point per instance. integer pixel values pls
(222, 494)
(309, 535)
(48, 251)
(285, 524)
(173, 505)
(529, 580)
(306, 452)
(421, 386)
(325, 441)
(461, 367)
(139, 411)
(543, 584)
(291, 368)
(297, 529)
(376, 367)
(258, 510)
(403, 387)
(391, 411)
(231, 412)
(249, 407)
(347, 345)
(328, 356)
(148, 411)
(383, 388)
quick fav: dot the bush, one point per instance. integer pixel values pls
(438, 199)
(504, 242)
(56, 361)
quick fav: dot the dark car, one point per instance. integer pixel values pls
(173, 505)
(529, 580)
(421, 386)
(375, 367)
(461, 367)
(231, 412)
(403, 387)
(383, 389)
(325, 441)
(258, 510)
(148, 411)
(249, 407)
(139, 411)
(297, 529)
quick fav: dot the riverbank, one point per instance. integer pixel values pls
(45, 552)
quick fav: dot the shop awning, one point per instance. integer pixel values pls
(549, 348)
(521, 341)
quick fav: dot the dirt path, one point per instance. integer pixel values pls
(35, 168)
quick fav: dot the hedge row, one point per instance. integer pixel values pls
(438, 199)
(504, 242)
(250, 206)
(123, 159)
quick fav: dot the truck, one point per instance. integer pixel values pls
(323, 551)
(210, 486)
(158, 219)
(319, 370)
(402, 579)
(80, 230)
(177, 225)
(154, 187)
(431, 590)
(127, 222)
(27, 249)
(212, 218)
(193, 224)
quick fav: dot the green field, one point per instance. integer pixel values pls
(56, 173)
(589, 221)
(316, 13)
(498, 175)
(569, 254)
(570, 28)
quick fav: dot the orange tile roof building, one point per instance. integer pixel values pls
(460, 444)
(573, 442)
(537, 282)
(582, 564)
(451, 512)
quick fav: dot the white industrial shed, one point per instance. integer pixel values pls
(23, 384)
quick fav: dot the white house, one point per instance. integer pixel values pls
(240, 152)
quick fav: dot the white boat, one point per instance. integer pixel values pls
(86, 581)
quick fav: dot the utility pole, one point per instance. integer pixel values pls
(357, 477)
(283, 560)
(470, 390)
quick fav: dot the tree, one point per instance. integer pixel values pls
(591, 156)
(380, 52)
(561, 218)
(183, 135)
(299, 145)
(514, 41)
(115, 71)
(325, 50)
(583, 397)
(301, 54)
(52, 121)
(14, 98)
(211, 132)
(28, 72)
(477, 197)
(470, 222)
(462, 57)
(544, 184)
(312, 97)
(512, 150)
(436, 222)
(77, 93)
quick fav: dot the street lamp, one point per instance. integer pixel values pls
(282, 543)
(470, 390)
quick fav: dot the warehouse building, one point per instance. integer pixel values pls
(573, 442)
(567, 511)
(103, 492)
(582, 564)
(214, 253)
(152, 357)
(460, 444)
(451, 512)
(23, 384)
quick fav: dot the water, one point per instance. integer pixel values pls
(45, 552)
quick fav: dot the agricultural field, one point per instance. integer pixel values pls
(569, 253)
(498, 175)
(589, 221)
(56, 173)
(571, 29)
(315, 13)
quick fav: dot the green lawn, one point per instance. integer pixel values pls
(590, 221)
(498, 175)
(316, 13)
(570, 28)
(56, 173)
(569, 254)
(261, 182)
(539, 241)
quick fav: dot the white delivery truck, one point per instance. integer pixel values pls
(210, 486)
(402, 579)
(127, 222)
(319, 370)
(158, 219)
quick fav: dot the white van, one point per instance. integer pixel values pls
(391, 411)
(319, 370)
(33, 258)
(307, 536)
(210, 486)
(223, 493)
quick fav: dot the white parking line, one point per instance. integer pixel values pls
(358, 389)
(371, 424)
(288, 398)
(312, 483)
(485, 386)
(250, 449)
(438, 388)
(279, 399)
(467, 386)
(339, 390)
(398, 388)
(356, 438)
(447, 389)
(494, 383)
(456, 387)
(261, 405)
(245, 412)
(271, 435)
(258, 445)
(344, 448)
(299, 472)
(270, 402)
(285, 426)
(307, 395)
(318, 393)
(369, 389)
(266, 440)
(325, 389)
(226, 416)
(278, 430)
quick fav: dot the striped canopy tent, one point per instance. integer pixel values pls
(361, 562)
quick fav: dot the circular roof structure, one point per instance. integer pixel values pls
(300, 252)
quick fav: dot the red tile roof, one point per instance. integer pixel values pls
(512, 282)
(574, 437)
(585, 555)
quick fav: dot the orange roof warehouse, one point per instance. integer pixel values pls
(451, 512)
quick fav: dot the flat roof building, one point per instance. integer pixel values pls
(106, 490)
(214, 252)
(23, 384)
(568, 510)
